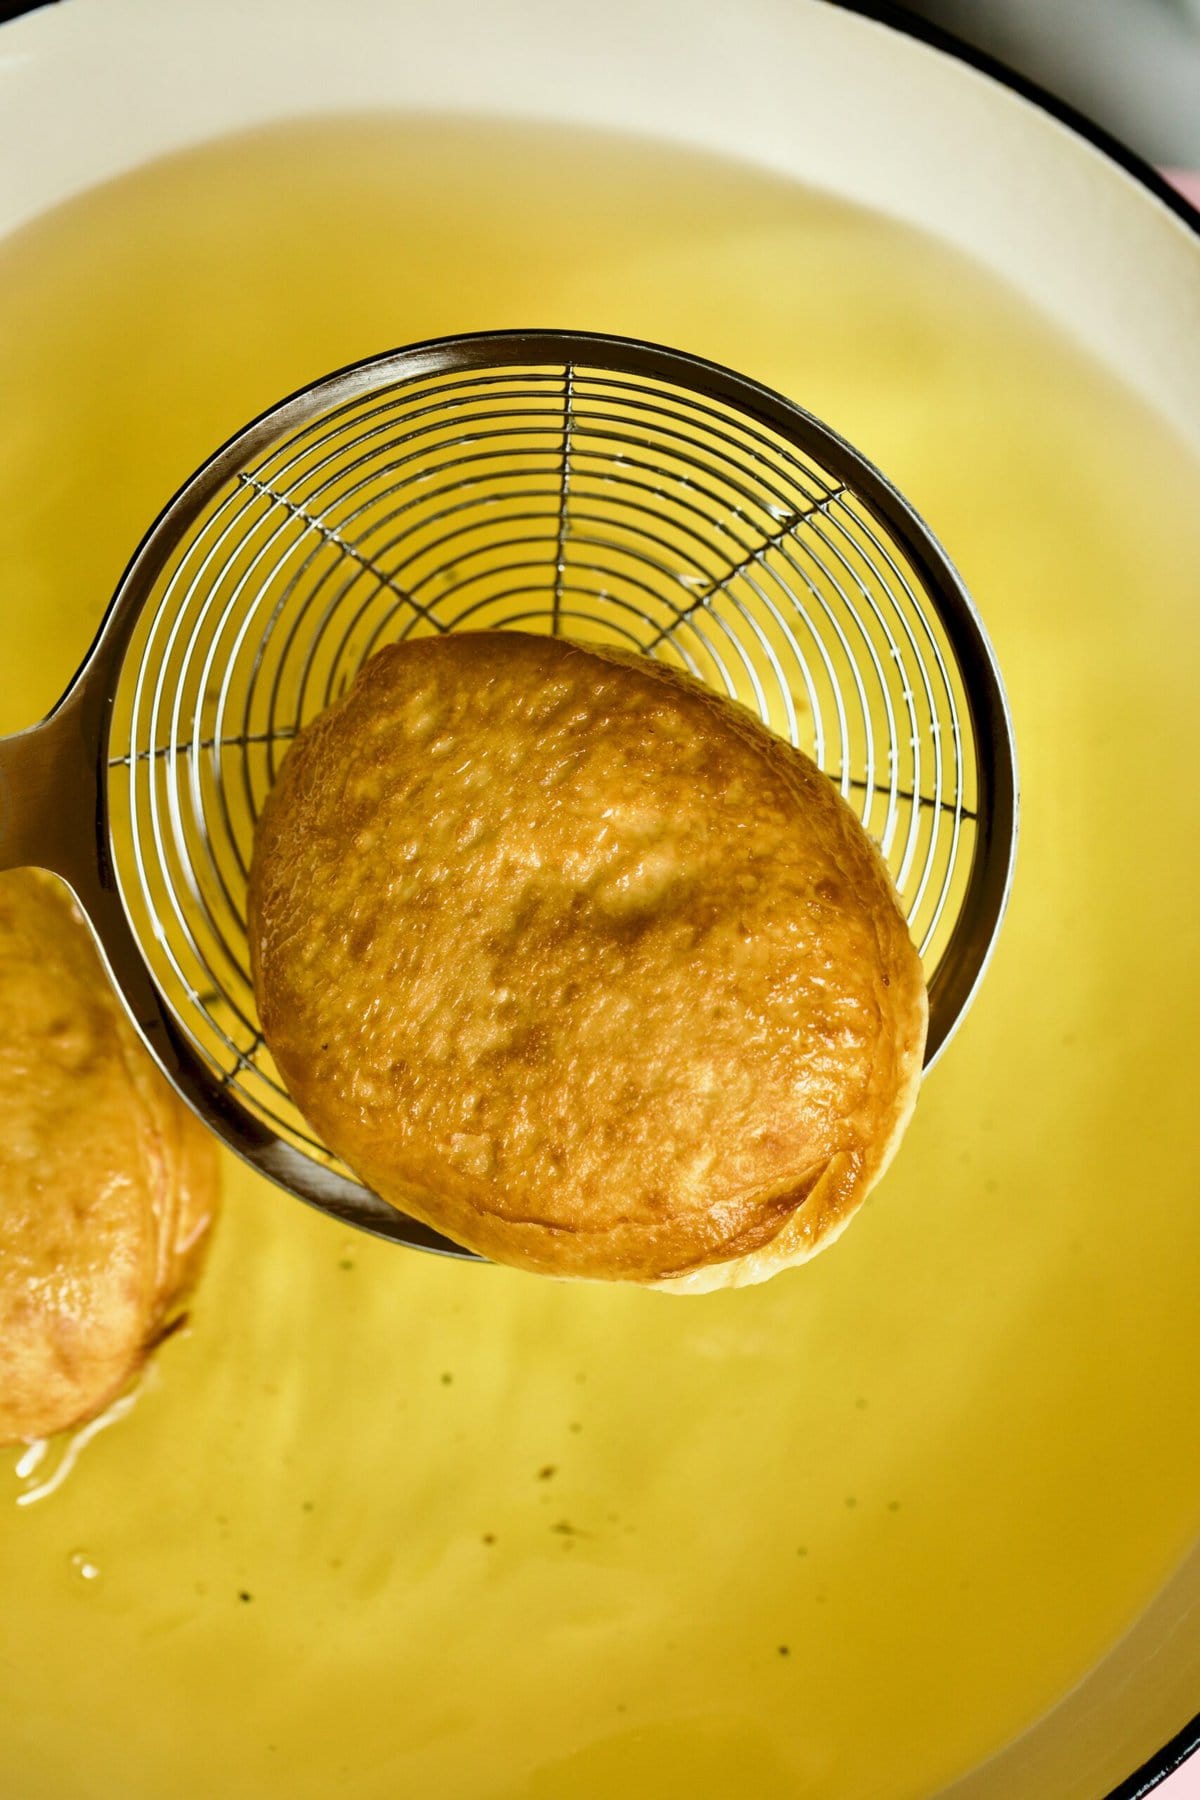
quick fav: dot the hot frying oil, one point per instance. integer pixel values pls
(385, 1524)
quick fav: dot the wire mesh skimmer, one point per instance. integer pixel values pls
(612, 491)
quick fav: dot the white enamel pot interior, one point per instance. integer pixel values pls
(852, 103)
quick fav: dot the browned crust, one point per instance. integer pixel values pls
(574, 960)
(108, 1185)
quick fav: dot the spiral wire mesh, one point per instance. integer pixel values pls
(621, 500)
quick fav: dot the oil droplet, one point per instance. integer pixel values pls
(69, 1447)
(81, 1565)
(31, 1458)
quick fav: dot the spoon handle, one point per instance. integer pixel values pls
(48, 794)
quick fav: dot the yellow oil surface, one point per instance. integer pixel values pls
(387, 1525)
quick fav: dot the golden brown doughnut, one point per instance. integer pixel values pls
(574, 960)
(108, 1185)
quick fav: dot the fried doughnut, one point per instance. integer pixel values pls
(108, 1185)
(574, 960)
